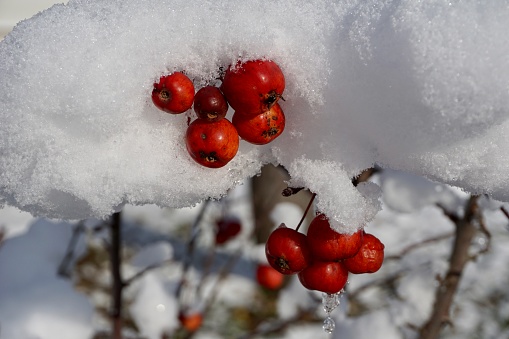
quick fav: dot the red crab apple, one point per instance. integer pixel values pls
(326, 244)
(262, 128)
(370, 257)
(287, 251)
(325, 276)
(212, 144)
(268, 277)
(210, 104)
(173, 93)
(226, 229)
(191, 321)
(254, 86)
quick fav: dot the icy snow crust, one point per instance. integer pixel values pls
(411, 85)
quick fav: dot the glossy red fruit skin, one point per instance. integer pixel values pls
(212, 144)
(210, 103)
(325, 276)
(262, 128)
(287, 251)
(268, 277)
(173, 93)
(370, 257)
(226, 229)
(254, 86)
(326, 244)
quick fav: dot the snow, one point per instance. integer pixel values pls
(420, 87)
(35, 301)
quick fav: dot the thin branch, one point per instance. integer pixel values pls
(145, 270)
(118, 285)
(63, 268)
(277, 326)
(465, 231)
(306, 211)
(419, 244)
(289, 191)
(195, 231)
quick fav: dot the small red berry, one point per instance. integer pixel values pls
(254, 86)
(268, 277)
(226, 229)
(210, 104)
(326, 244)
(287, 251)
(370, 257)
(212, 144)
(329, 277)
(262, 128)
(191, 321)
(173, 93)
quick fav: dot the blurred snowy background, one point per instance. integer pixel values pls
(437, 80)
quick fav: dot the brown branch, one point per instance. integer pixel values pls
(118, 285)
(365, 175)
(145, 270)
(465, 231)
(306, 211)
(195, 231)
(278, 326)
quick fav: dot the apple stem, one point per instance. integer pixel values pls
(306, 211)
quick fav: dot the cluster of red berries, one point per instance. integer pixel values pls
(323, 258)
(251, 88)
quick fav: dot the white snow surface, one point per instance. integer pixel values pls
(409, 85)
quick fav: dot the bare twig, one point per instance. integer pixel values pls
(118, 285)
(63, 268)
(465, 231)
(365, 175)
(145, 270)
(195, 231)
(278, 326)
(306, 211)
(291, 191)
(419, 244)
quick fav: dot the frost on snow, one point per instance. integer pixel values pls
(415, 86)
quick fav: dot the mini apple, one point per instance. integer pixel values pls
(254, 86)
(212, 144)
(287, 250)
(173, 93)
(262, 128)
(191, 321)
(325, 276)
(326, 244)
(370, 257)
(226, 229)
(268, 277)
(210, 104)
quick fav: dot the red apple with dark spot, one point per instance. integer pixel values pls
(254, 86)
(287, 250)
(173, 93)
(262, 128)
(212, 144)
